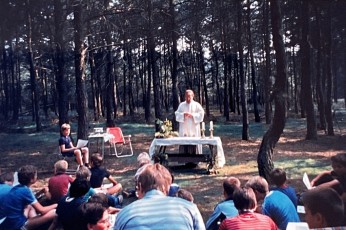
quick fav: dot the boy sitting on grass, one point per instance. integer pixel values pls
(19, 198)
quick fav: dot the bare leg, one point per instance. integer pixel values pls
(115, 189)
(29, 212)
(85, 152)
(40, 220)
(78, 155)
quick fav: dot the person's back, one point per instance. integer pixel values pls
(245, 202)
(278, 178)
(280, 208)
(6, 181)
(154, 209)
(276, 205)
(224, 209)
(59, 183)
(158, 211)
(68, 207)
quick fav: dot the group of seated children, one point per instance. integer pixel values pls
(85, 203)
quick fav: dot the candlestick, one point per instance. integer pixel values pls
(211, 125)
(203, 125)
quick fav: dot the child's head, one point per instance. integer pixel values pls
(27, 175)
(230, 184)
(183, 193)
(244, 199)
(79, 187)
(65, 129)
(99, 198)
(83, 172)
(143, 158)
(278, 177)
(323, 208)
(96, 160)
(60, 166)
(7, 178)
(339, 163)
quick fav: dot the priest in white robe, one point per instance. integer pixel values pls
(189, 115)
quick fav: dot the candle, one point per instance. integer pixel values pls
(203, 125)
(211, 125)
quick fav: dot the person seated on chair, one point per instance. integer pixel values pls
(224, 209)
(68, 150)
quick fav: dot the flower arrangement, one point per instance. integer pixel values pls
(165, 129)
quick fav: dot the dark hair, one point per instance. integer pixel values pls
(244, 199)
(278, 176)
(339, 158)
(184, 194)
(26, 174)
(100, 198)
(96, 160)
(79, 187)
(258, 184)
(7, 176)
(327, 202)
(91, 213)
(229, 185)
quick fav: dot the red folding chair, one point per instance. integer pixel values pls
(120, 142)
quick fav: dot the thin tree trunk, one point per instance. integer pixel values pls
(245, 116)
(80, 56)
(271, 137)
(306, 75)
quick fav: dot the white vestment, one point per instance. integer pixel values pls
(190, 127)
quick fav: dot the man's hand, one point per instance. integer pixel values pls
(187, 115)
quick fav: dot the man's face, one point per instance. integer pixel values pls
(188, 96)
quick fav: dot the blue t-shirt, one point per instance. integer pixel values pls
(290, 192)
(68, 212)
(226, 208)
(280, 208)
(4, 189)
(97, 176)
(13, 207)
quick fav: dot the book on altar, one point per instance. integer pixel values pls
(81, 143)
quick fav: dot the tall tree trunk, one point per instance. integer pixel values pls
(245, 115)
(33, 73)
(253, 69)
(271, 137)
(328, 55)
(61, 82)
(266, 78)
(311, 129)
(79, 59)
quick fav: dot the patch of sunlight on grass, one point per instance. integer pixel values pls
(296, 168)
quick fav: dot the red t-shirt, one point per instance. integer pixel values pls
(250, 221)
(58, 186)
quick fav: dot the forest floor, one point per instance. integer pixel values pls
(20, 145)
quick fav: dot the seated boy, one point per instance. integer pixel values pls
(278, 178)
(98, 173)
(14, 203)
(323, 208)
(59, 183)
(226, 208)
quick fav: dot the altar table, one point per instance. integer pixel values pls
(104, 137)
(218, 157)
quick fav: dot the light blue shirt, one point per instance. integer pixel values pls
(158, 211)
(226, 207)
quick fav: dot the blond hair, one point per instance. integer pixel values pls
(61, 166)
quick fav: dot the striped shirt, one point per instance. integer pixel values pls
(248, 221)
(158, 211)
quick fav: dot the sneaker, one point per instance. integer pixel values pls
(120, 199)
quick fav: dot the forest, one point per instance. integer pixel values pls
(107, 59)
